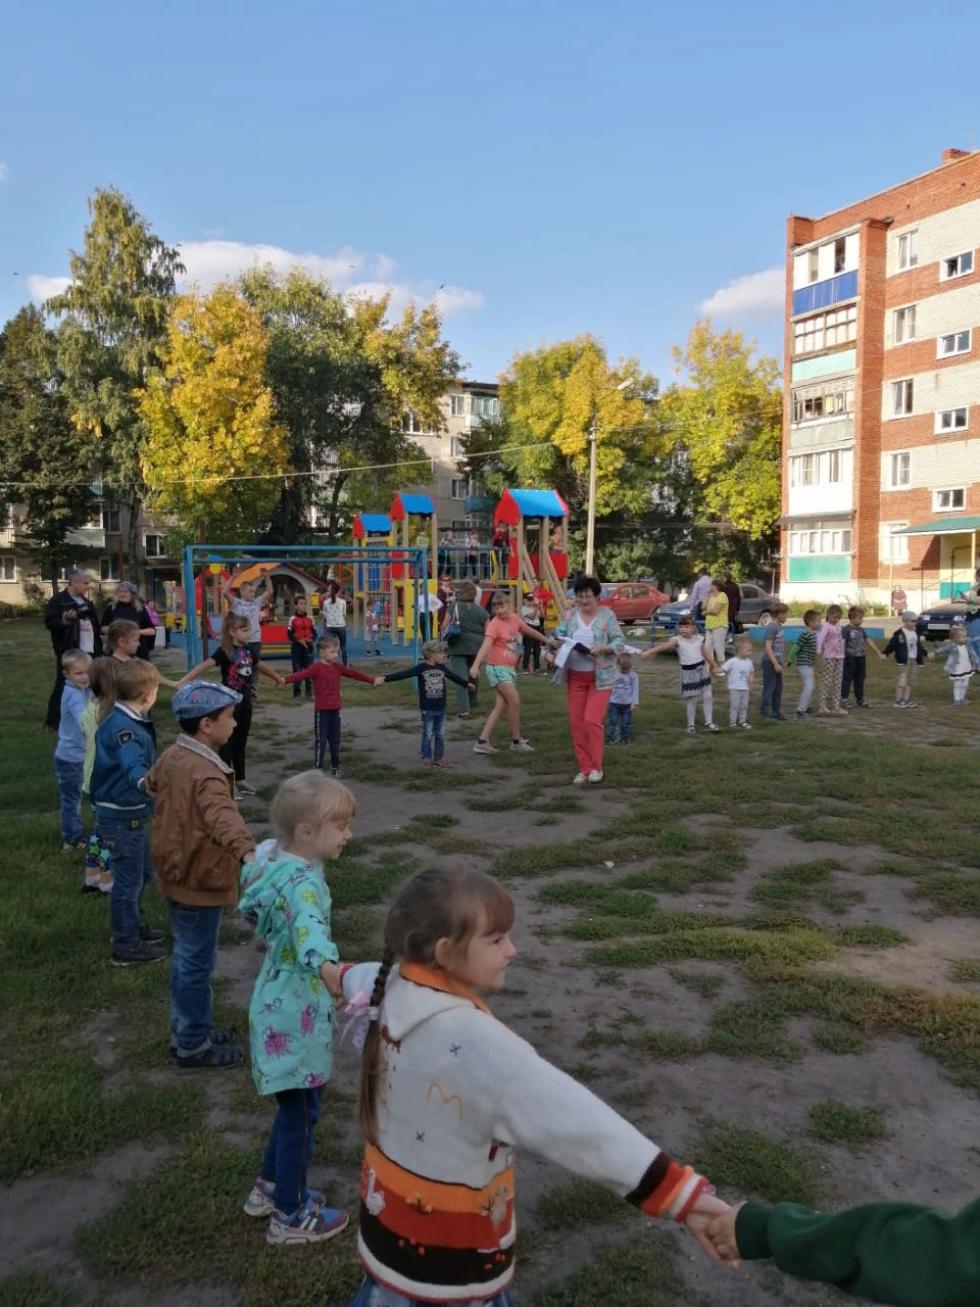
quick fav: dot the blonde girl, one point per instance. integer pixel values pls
(697, 664)
(503, 642)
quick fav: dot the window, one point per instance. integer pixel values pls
(823, 540)
(840, 254)
(825, 329)
(457, 447)
(893, 548)
(823, 399)
(813, 264)
(957, 266)
(945, 501)
(110, 519)
(486, 406)
(817, 469)
(457, 405)
(951, 419)
(8, 567)
(908, 250)
(899, 470)
(459, 488)
(902, 395)
(153, 545)
(957, 342)
(107, 569)
(904, 324)
(411, 424)
(833, 462)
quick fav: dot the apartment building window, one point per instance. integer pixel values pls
(840, 254)
(486, 406)
(902, 397)
(824, 399)
(107, 569)
(956, 342)
(457, 405)
(948, 499)
(825, 329)
(412, 424)
(821, 540)
(893, 548)
(110, 519)
(956, 266)
(952, 419)
(908, 250)
(904, 324)
(816, 469)
(459, 488)
(899, 470)
(813, 264)
(153, 545)
(457, 447)
(8, 567)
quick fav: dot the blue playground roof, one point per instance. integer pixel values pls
(539, 503)
(421, 504)
(376, 522)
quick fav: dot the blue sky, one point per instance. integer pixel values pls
(557, 167)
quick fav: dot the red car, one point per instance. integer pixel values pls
(633, 601)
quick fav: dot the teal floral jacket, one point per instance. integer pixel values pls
(291, 1015)
(607, 632)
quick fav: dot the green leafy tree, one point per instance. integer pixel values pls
(214, 453)
(111, 335)
(45, 459)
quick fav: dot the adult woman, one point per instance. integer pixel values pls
(973, 614)
(128, 607)
(590, 669)
(464, 647)
(334, 613)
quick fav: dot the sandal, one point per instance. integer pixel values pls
(218, 1036)
(219, 1057)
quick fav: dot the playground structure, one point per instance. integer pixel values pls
(393, 558)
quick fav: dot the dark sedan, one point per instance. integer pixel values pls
(755, 610)
(935, 622)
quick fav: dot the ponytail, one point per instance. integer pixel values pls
(371, 1060)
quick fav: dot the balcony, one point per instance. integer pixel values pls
(824, 293)
(87, 537)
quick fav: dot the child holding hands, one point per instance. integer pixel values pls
(739, 672)
(431, 675)
(696, 664)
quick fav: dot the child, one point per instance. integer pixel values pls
(199, 842)
(856, 642)
(291, 1015)
(696, 664)
(248, 603)
(431, 674)
(888, 1252)
(325, 676)
(372, 628)
(830, 647)
(773, 662)
(624, 698)
(237, 668)
(301, 633)
(961, 663)
(69, 753)
(806, 657)
(740, 672)
(910, 653)
(533, 618)
(446, 1093)
(716, 620)
(122, 640)
(102, 683)
(500, 650)
(125, 748)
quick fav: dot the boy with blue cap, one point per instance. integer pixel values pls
(199, 843)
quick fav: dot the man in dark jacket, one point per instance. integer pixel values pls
(74, 624)
(730, 587)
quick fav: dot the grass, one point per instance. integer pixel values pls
(576, 1204)
(35, 1288)
(641, 1273)
(965, 972)
(705, 984)
(834, 1122)
(950, 894)
(751, 1163)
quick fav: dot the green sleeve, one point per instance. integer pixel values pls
(894, 1253)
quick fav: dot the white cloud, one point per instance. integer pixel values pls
(759, 295)
(42, 288)
(4, 173)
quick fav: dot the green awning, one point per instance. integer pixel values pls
(943, 526)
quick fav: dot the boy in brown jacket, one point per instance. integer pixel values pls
(199, 842)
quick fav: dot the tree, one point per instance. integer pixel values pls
(342, 377)
(724, 418)
(113, 328)
(45, 460)
(209, 418)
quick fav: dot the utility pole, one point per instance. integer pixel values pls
(590, 524)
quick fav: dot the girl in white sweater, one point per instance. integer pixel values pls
(447, 1092)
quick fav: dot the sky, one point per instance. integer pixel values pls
(541, 168)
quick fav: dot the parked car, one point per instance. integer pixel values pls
(935, 622)
(633, 601)
(755, 610)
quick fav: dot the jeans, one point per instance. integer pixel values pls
(128, 843)
(341, 633)
(69, 776)
(466, 700)
(372, 1294)
(233, 753)
(290, 1148)
(619, 723)
(772, 690)
(855, 668)
(326, 731)
(301, 657)
(195, 932)
(808, 678)
(586, 718)
(433, 734)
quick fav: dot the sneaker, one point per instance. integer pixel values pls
(864, 703)
(336, 771)
(594, 777)
(692, 730)
(579, 779)
(441, 762)
(91, 889)
(484, 746)
(710, 726)
(239, 795)
(151, 934)
(217, 1035)
(216, 1057)
(464, 716)
(747, 726)
(800, 716)
(311, 1224)
(246, 789)
(72, 846)
(138, 954)
(779, 717)
(425, 762)
(521, 746)
(899, 703)
(911, 703)
(261, 1201)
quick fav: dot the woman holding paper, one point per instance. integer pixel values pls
(589, 641)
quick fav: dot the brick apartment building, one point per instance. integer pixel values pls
(465, 406)
(881, 426)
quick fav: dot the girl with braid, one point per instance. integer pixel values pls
(447, 1092)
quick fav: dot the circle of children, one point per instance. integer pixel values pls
(447, 1092)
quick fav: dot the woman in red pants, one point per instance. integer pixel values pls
(590, 641)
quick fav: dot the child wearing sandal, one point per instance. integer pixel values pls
(448, 1092)
(431, 675)
(291, 1015)
(696, 663)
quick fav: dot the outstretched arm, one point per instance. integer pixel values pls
(272, 674)
(197, 671)
(663, 647)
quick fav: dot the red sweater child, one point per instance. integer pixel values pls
(326, 681)
(300, 629)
